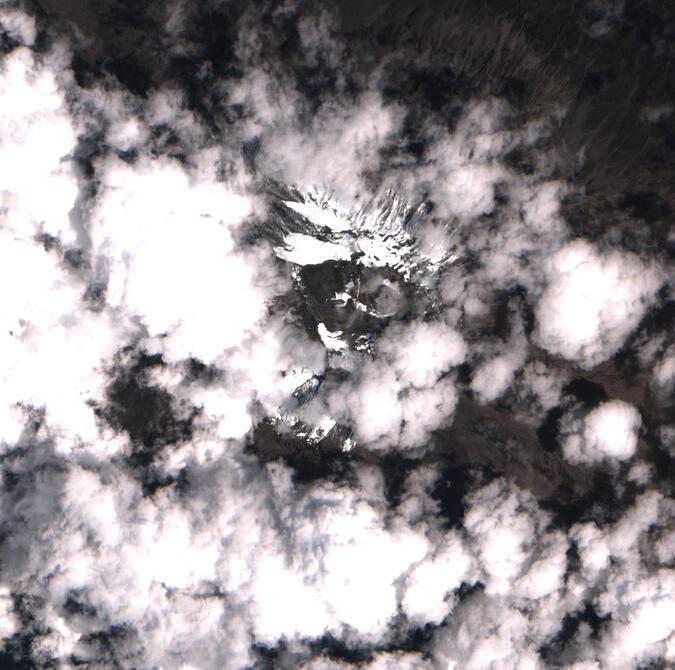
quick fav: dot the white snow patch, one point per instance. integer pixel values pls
(307, 250)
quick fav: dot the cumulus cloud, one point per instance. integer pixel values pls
(610, 431)
(429, 587)
(663, 374)
(18, 25)
(495, 375)
(404, 393)
(343, 137)
(151, 216)
(592, 302)
(630, 594)
(354, 559)
(505, 536)
(37, 138)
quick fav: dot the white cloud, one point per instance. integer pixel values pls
(592, 302)
(341, 567)
(401, 395)
(428, 590)
(165, 238)
(18, 25)
(422, 351)
(503, 534)
(36, 135)
(610, 431)
(9, 623)
(126, 134)
(382, 661)
(544, 383)
(486, 633)
(47, 336)
(663, 373)
(494, 376)
(343, 138)
(643, 616)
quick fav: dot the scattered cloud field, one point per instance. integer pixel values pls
(305, 367)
